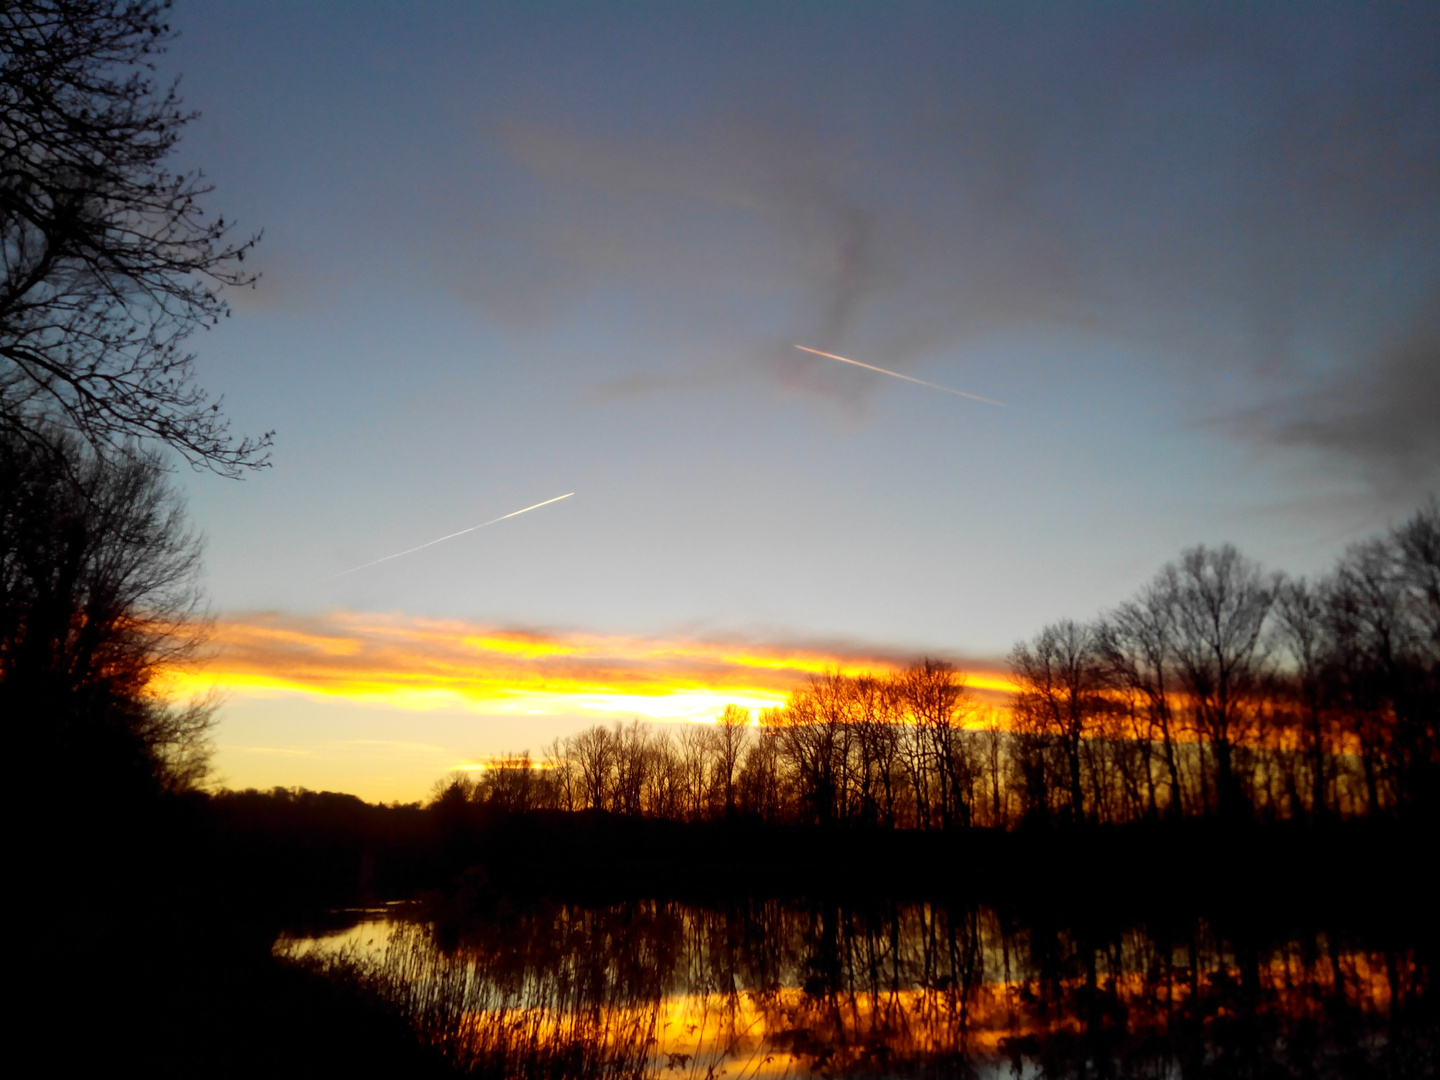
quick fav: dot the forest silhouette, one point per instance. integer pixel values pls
(1219, 692)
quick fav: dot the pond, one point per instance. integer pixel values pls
(771, 988)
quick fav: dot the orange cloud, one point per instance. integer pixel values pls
(414, 662)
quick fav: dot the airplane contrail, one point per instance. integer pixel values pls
(452, 536)
(907, 378)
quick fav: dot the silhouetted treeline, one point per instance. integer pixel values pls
(1218, 691)
(1222, 690)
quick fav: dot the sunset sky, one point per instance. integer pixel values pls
(516, 251)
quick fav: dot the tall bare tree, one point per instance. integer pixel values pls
(1417, 544)
(1059, 675)
(1222, 601)
(730, 735)
(108, 262)
(1385, 618)
(1301, 622)
(593, 751)
(936, 700)
(1137, 644)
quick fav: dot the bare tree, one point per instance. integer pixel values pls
(1222, 601)
(877, 729)
(99, 596)
(760, 782)
(108, 263)
(631, 751)
(993, 751)
(1384, 617)
(453, 791)
(559, 772)
(507, 784)
(1137, 645)
(696, 753)
(730, 735)
(1417, 545)
(1060, 677)
(935, 698)
(1301, 623)
(593, 751)
(664, 795)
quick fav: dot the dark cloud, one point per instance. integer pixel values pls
(1382, 415)
(1248, 196)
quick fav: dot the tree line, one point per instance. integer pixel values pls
(1218, 691)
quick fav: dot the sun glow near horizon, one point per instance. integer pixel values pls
(379, 705)
(417, 663)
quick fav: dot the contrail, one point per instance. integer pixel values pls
(907, 378)
(452, 536)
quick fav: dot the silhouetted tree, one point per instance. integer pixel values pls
(507, 784)
(815, 739)
(634, 761)
(594, 753)
(1137, 646)
(109, 261)
(1222, 602)
(664, 794)
(695, 750)
(561, 782)
(935, 701)
(878, 731)
(993, 756)
(1060, 679)
(1417, 544)
(760, 776)
(731, 734)
(1300, 618)
(1382, 614)
(98, 596)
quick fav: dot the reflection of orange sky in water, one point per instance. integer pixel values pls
(919, 1022)
(770, 1034)
(413, 662)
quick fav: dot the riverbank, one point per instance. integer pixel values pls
(153, 928)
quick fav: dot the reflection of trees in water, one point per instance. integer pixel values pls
(765, 987)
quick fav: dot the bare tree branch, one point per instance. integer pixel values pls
(108, 262)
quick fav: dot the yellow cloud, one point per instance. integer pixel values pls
(412, 662)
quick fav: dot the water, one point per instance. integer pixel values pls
(769, 988)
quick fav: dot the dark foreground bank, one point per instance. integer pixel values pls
(292, 852)
(152, 930)
(146, 943)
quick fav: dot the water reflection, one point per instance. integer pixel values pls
(771, 988)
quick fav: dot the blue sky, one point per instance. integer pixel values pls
(512, 251)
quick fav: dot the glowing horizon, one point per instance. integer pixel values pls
(417, 663)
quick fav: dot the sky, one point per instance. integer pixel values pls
(513, 251)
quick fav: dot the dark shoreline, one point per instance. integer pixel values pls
(1201, 860)
(166, 918)
(331, 851)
